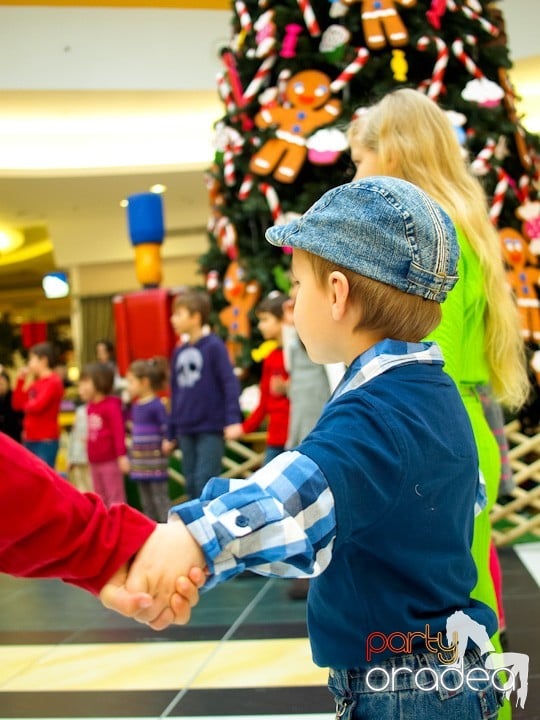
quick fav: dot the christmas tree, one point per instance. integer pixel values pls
(293, 76)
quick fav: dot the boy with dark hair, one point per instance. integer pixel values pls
(38, 394)
(204, 392)
(273, 402)
(377, 502)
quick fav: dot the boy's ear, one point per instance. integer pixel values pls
(339, 293)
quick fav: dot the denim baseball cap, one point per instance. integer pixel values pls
(383, 228)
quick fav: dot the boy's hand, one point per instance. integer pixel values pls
(167, 446)
(278, 385)
(169, 552)
(187, 595)
(233, 432)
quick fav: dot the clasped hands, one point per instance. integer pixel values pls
(162, 583)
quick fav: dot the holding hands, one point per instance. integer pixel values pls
(162, 583)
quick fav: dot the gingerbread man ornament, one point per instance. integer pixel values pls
(380, 20)
(242, 297)
(308, 107)
(523, 280)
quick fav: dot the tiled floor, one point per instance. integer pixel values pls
(245, 654)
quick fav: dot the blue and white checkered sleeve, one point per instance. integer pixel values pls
(281, 521)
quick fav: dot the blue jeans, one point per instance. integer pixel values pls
(47, 450)
(414, 686)
(201, 459)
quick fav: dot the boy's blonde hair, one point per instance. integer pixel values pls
(414, 141)
(383, 308)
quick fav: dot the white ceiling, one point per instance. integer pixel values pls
(77, 67)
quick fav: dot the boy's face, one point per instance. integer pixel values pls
(183, 321)
(270, 326)
(36, 364)
(366, 161)
(312, 312)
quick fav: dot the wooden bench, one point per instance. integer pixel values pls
(521, 514)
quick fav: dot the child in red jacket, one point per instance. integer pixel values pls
(38, 393)
(273, 402)
(107, 455)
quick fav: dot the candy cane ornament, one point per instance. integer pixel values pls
(266, 34)
(459, 51)
(224, 91)
(351, 70)
(246, 186)
(309, 18)
(227, 237)
(498, 195)
(233, 77)
(272, 199)
(243, 16)
(262, 74)
(481, 164)
(474, 15)
(439, 69)
(233, 147)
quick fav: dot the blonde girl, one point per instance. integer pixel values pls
(407, 135)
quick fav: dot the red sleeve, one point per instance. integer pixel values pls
(50, 529)
(19, 396)
(42, 396)
(253, 421)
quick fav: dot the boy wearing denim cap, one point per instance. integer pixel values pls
(377, 502)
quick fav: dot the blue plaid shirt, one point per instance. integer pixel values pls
(282, 520)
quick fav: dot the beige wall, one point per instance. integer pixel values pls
(119, 277)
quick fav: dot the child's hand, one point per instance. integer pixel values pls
(123, 464)
(278, 385)
(187, 594)
(147, 592)
(115, 596)
(233, 432)
(167, 446)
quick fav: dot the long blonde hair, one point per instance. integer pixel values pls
(414, 140)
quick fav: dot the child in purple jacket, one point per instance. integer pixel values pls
(205, 392)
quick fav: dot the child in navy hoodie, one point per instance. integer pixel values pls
(204, 392)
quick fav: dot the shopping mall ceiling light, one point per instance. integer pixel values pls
(10, 240)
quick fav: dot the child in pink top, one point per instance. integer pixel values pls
(107, 454)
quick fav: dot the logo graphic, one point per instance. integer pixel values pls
(189, 367)
(450, 652)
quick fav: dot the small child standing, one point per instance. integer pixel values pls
(78, 468)
(204, 392)
(148, 424)
(273, 402)
(38, 394)
(106, 437)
